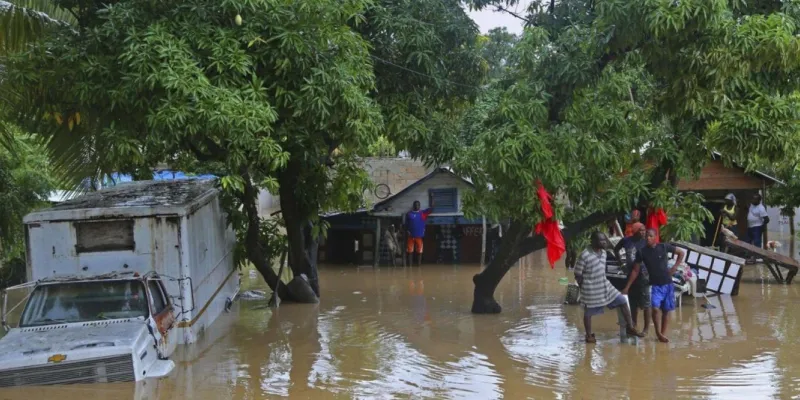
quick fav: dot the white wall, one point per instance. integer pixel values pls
(52, 247)
(402, 204)
(267, 203)
(211, 245)
(778, 229)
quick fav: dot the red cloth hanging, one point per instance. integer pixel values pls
(556, 246)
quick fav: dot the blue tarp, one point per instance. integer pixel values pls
(161, 175)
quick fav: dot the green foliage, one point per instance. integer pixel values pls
(181, 82)
(497, 49)
(428, 69)
(382, 147)
(24, 186)
(607, 99)
(266, 94)
(25, 21)
(685, 212)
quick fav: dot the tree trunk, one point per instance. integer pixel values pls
(517, 244)
(302, 247)
(486, 282)
(255, 251)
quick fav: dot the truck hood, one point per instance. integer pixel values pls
(54, 339)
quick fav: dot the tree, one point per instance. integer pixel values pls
(613, 102)
(266, 94)
(22, 22)
(25, 185)
(497, 48)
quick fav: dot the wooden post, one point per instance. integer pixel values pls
(763, 201)
(483, 240)
(376, 256)
(791, 235)
(618, 229)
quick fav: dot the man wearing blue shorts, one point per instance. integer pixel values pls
(654, 256)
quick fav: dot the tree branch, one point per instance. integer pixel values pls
(537, 242)
(503, 9)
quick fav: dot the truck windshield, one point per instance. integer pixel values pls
(84, 301)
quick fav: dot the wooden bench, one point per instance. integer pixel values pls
(775, 262)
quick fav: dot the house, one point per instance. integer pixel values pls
(716, 180)
(450, 237)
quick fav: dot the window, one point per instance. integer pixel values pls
(104, 236)
(445, 200)
(159, 304)
(84, 301)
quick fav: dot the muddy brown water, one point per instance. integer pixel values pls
(407, 333)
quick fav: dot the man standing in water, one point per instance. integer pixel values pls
(654, 256)
(415, 231)
(728, 213)
(756, 219)
(596, 291)
(638, 278)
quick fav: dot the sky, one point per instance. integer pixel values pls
(489, 18)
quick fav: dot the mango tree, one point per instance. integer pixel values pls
(613, 101)
(267, 94)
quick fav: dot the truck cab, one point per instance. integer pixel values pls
(87, 329)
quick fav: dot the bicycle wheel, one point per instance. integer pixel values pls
(382, 191)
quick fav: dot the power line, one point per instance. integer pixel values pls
(423, 74)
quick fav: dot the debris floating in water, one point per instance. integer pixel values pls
(356, 292)
(253, 295)
(563, 280)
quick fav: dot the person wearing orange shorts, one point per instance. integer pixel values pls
(415, 232)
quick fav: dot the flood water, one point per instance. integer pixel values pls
(407, 333)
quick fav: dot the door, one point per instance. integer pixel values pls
(366, 247)
(162, 318)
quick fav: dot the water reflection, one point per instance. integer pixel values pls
(407, 333)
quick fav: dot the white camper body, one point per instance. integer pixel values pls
(174, 228)
(171, 231)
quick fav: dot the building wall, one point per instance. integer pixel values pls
(442, 180)
(716, 176)
(267, 203)
(397, 173)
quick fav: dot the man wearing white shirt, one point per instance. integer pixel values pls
(757, 219)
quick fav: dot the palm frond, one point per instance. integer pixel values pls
(22, 22)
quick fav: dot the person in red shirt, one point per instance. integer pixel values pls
(656, 218)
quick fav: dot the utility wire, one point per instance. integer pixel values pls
(423, 74)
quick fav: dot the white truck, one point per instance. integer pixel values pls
(116, 280)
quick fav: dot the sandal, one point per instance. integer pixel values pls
(591, 339)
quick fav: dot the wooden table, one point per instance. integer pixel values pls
(774, 261)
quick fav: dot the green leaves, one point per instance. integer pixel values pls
(25, 185)
(606, 98)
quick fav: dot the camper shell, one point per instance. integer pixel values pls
(176, 229)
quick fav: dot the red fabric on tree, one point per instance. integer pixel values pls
(655, 220)
(544, 199)
(556, 246)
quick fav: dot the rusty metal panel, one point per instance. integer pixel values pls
(99, 236)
